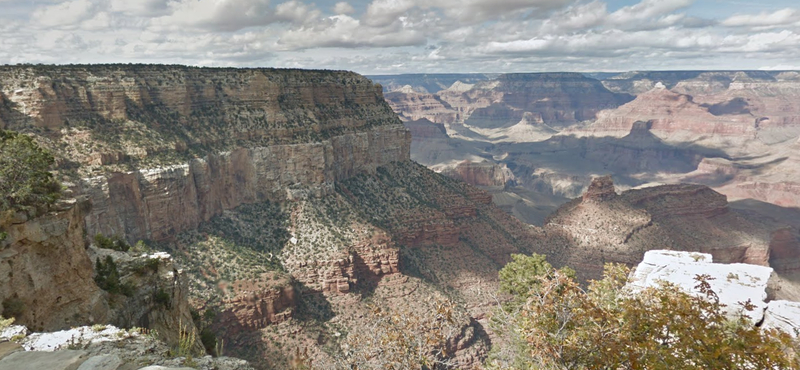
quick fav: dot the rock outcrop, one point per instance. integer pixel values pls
(484, 174)
(158, 203)
(254, 304)
(600, 189)
(621, 228)
(100, 347)
(159, 295)
(733, 283)
(46, 274)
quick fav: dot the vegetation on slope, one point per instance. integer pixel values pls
(25, 182)
(557, 324)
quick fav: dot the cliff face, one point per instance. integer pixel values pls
(159, 202)
(174, 146)
(47, 276)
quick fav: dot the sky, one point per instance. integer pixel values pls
(408, 36)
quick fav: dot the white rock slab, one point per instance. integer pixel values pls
(733, 283)
(74, 338)
(783, 315)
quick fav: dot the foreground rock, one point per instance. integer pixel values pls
(100, 348)
(734, 284)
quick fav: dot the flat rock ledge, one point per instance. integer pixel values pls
(733, 283)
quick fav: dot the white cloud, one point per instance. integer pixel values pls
(343, 8)
(296, 12)
(66, 14)
(481, 10)
(345, 31)
(398, 35)
(100, 21)
(645, 10)
(777, 18)
(140, 7)
(576, 17)
(221, 15)
(384, 12)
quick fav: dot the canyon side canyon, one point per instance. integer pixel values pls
(299, 211)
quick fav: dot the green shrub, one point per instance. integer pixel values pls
(115, 242)
(149, 264)
(107, 278)
(13, 307)
(209, 340)
(25, 182)
(162, 298)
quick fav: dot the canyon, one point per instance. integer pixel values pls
(286, 214)
(735, 131)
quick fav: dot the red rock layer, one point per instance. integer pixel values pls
(256, 304)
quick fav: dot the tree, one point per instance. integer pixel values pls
(25, 182)
(561, 325)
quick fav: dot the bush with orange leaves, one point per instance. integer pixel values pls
(558, 324)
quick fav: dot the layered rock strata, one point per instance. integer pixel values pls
(200, 140)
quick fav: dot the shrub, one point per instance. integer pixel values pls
(162, 298)
(209, 340)
(149, 264)
(107, 278)
(115, 242)
(13, 307)
(25, 182)
(561, 325)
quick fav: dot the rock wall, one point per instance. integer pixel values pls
(256, 304)
(485, 173)
(163, 148)
(158, 203)
(46, 274)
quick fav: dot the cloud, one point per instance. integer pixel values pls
(481, 10)
(345, 31)
(645, 10)
(296, 12)
(576, 17)
(384, 12)
(343, 8)
(146, 8)
(399, 35)
(777, 18)
(219, 15)
(66, 14)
